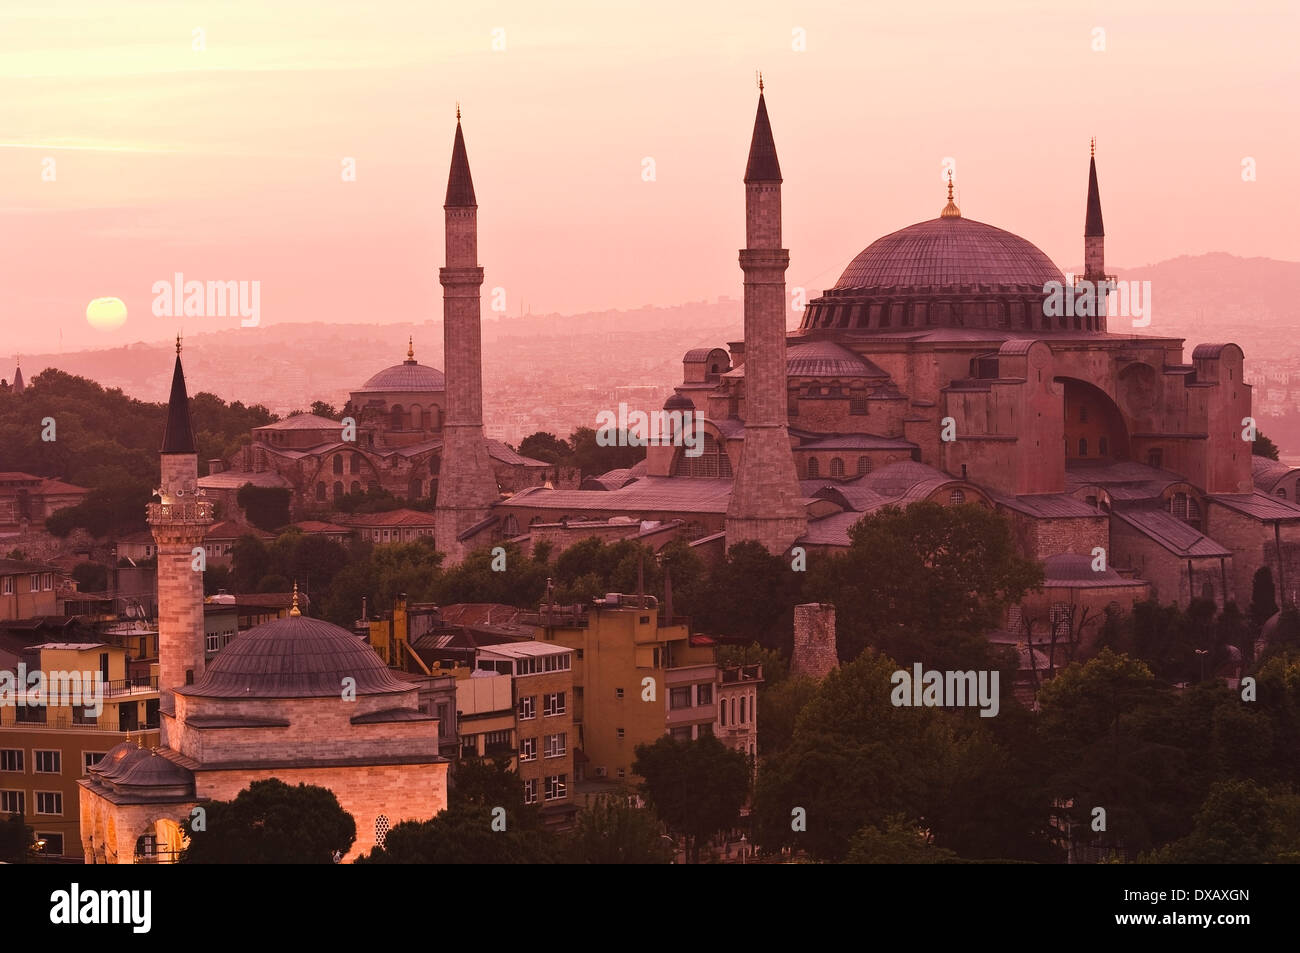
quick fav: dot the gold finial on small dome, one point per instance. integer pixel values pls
(950, 210)
(1093, 147)
(458, 110)
(760, 80)
(294, 611)
(410, 348)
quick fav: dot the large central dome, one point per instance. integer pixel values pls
(407, 376)
(946, 252)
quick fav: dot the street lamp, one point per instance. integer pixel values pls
(1202, 653)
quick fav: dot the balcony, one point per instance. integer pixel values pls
(181, 511)
(742, 673)
(63, 721)
(139, 685)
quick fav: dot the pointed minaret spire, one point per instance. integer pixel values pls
(763, 165)
(18, 377)
(1092, 227)
(178, 437)
(460, 185)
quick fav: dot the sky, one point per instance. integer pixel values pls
(142, 138)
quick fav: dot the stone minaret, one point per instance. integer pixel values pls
(179, 524)
(766, 503)
(1094, 235)
(19, 386)
(467, 487)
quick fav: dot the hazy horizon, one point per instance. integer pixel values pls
(225, 163)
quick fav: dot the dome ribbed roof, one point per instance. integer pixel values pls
(949, 251)
(295, 657)
(407, 376)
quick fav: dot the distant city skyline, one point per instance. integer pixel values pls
(222, 154)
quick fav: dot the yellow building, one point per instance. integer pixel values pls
(27, 589)
(47, 742)
(636, 677)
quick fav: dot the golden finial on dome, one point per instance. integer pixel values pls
(760, 80)
(294, 611)
(178, 344)
(410, 348)
(1093, 147)
(458, 111)
(950, 210)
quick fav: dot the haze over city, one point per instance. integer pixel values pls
(211, 138)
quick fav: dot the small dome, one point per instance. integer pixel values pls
(295, 657)
(678, 402)
(118, 760)
(407, 376)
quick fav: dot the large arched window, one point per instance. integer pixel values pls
(957, 497)
(417, 417)
(355, 488)
(338, 491)
(355, 463)
(397, 419)
(837, 467)
(338, 464)
(1281, 492)
(511, 526)
(814, 468)
(711, 462)
(864, 466)
(413, 490)
(435, 417)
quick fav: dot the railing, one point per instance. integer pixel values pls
(742, 673)
(130, 686)
(182, 510)
(62, 721)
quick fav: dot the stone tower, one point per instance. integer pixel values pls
(766, 503)
(1094, 235)
(179, 524)
(467, 487)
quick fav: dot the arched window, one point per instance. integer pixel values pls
(712, 460)
(1083, 446)
(733, 709)
(956, 497)
(722, 713)
(511, 526)
(814, 468)
(355, 487)
(864, 466)
(742, 709)
(1103, 448)
(1083, 415)
(1178, 505)
(837, 467)
(355, 463)
(1155, 458)
(417, 417)
(338, 491)
(413, 490)
(338, 464)
(397, 417)
(435, 418)
(1281, 491)
(321, 491)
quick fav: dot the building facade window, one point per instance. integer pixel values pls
(92, 758)
(557, 787)
(527, 749)
(742, 709)
(11, 759)
(527, 707)
(13, 802)
(704, 694)
(814, 468)
(864, 466)
(49, 802)
(553, 704)
(557, 745)
(381, 829)
(679, 697)
(957, 497)
(530, 791)
(48, 761)
(837, 467)
(8, 585)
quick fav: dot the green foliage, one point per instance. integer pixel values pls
(270, 822)
(751, 595)
(592, 459)
(781, 704)
(895, 842)
(90, 577)
(267, 507)
(775, 667)
(1263, 596)
(463, 835)
(546, 447)
(1263, 446)
(695, 787)
(16, 840)
(489, 782)
(940, 577)
(322, 409)
(1241, 822)
(610, 830)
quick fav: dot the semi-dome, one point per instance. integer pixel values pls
(949, 251)
(294, 657)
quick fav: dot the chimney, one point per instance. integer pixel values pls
(814, 651)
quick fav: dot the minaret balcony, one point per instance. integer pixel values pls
(181, 511)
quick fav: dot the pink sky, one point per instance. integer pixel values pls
(225, 164)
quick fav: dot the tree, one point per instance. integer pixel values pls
(611, 830)
(895, 842)
(16, 840)
(90, 577)
(490, 783)
(695, 787)
(267, 507)
(270, 822)
(464, 834)
(1241, 822)
(751, 594)
(1263, 597)
(545, 446)
(250, 563)
(1263, 446)
(322, 409)
(592, 459)
(927, 582)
